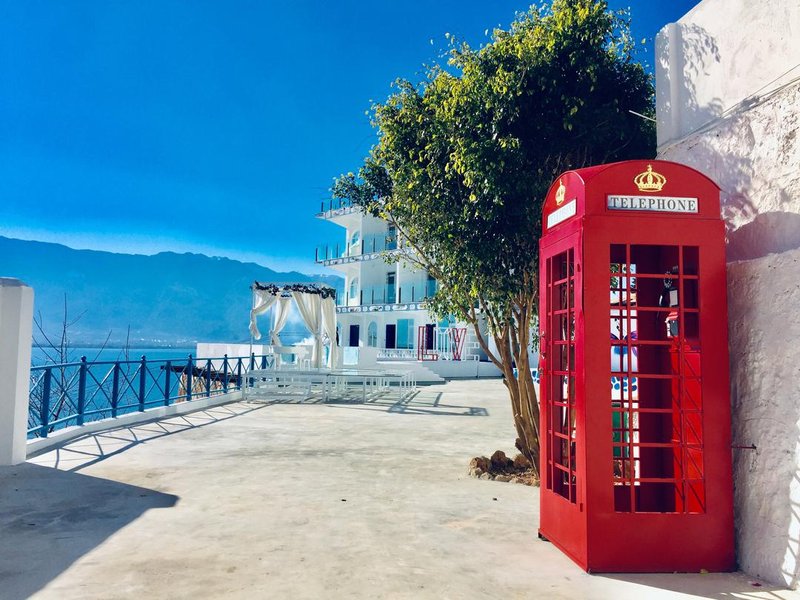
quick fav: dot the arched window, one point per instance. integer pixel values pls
(372, 335)
(354, 288)
(355, 238)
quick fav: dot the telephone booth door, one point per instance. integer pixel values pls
(656, 398)
(562, 439)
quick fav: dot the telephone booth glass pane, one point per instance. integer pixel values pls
(656, 402)
(559, 382)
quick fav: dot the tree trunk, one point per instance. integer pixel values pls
(521, 388)
(524, 405)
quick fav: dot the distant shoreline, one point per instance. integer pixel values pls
(115, 346)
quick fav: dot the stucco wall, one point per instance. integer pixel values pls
(754, 156)
(720, 111)
(719, 54)
(763, 296)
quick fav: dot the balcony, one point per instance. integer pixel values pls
(368, 248)
(335, 208)
(381, 298)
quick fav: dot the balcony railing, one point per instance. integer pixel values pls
(378, 294)
(369, 245)
(69, 394)
(390, 294)
(336, 206)
(442, 345)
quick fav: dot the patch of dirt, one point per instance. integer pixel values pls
(501, 468)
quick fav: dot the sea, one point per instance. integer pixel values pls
(39, 356)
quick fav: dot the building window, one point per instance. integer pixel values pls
(430, 286)
(405, 333)
(355, 238)
(372, 335)
(390, 296)
(391, 238)
(353, 288)
(448, 321)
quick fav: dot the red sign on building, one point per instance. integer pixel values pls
(635, 403)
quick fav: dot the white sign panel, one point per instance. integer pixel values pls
(653, 204)
(562, 214)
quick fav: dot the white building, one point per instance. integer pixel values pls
(728, 104)
(383, 305)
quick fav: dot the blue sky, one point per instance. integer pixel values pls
(210, 127)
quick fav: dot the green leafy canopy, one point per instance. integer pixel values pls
(464, 158)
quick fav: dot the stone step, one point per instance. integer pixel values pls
(422, 373)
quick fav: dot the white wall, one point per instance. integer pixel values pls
(381, 318)
(373, 276)
(411, 282)
(372, 225)
(721, 53)
(463, 369)
(16, 323)
(765, 381)
(215, 350)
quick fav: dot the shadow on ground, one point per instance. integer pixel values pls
(92, 448)
(419, 403)
(50, 518)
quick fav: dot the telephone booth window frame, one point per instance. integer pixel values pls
(560, 393)
(657, 433)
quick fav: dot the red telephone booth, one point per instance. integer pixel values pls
(635, 405)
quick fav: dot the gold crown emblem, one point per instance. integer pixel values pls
(561, 193)
(650, 181)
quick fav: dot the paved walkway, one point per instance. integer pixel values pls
(300, 501)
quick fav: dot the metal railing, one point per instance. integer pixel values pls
(382, 242)
(336, 204)
(73, 394)
(391, 294)
(446, 343)
(397, 354)
(378, 294)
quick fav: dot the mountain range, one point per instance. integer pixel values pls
(165, 298)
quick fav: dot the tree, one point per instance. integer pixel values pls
(58, 351)
(463, 162)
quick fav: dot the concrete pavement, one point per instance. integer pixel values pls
(300, 501)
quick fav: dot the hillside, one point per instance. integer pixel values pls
(166, 298)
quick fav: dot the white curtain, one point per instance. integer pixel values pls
(310, 307)
(282, 310)
(262, 301)
(329, 327)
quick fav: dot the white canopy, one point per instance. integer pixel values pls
(316, 305)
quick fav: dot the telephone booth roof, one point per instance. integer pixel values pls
(633, 188)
